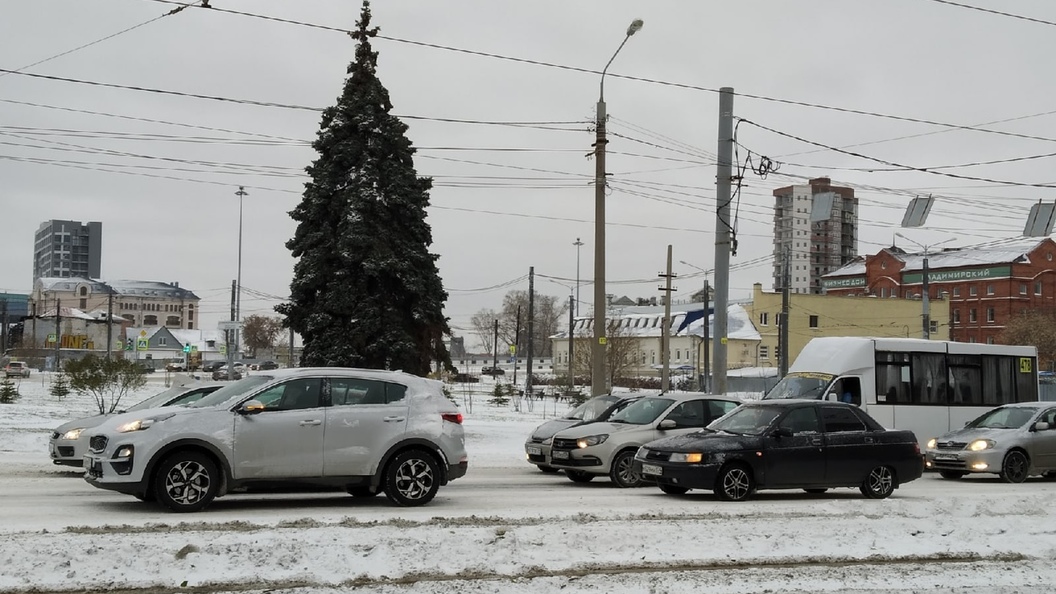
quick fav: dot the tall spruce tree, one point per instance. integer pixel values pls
(366, 292)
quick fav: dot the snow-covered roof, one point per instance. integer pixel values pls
(69, 312)
(199, 338)
(119, 287)
(646, 321)
(1013, 251)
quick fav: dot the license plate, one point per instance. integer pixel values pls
(534, 451)
(652, 469)
(559, 455)
(93, 468)
(945, 456)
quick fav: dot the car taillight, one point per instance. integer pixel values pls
(455, 418)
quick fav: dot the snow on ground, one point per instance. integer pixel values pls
(508, 528)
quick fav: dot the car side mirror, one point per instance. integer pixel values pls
(782, 432)
(1041, 426)
(666, 424)
(251, 407)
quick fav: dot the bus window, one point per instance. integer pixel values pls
(998, 380)
(1026, 381)
(929, 378)
(892, 378)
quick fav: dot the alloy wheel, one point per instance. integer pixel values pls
(1015, 467)
(187, 482)
(414, 479)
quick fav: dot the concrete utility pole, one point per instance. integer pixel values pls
(58, 333)
(109, 322)
(925, 304)
(598, 375)
(516, 345)
(782, 339)
(241, 193)
(228, 333)
(3, 327)
(707, 337)
(571, 344)
(723, 234)
(578, 245)
(665, 329)
(495, 350)
(531, 329)
(291, 347)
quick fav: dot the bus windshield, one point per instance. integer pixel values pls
(801, 384)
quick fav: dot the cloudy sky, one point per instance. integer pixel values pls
(923, 84)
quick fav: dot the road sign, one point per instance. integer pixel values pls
(143, 333)
(229, 325)
(51, 338)
(141, 344)
(194, 349)
(223, 349)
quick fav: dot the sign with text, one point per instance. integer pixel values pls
(229, 325)
(947, 276)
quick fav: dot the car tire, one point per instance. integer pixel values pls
(815, 491)
(673, 490)
(548, 469)
(412, 478)
(622, 472)
(879, 484)
(1015, 467)
(362, 491)
(186, 481)
(734, 483)
(952, 475)
(579, 477)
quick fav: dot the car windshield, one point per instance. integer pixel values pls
(242, 386)
(158, 399)
(1006, 417)
(800, 385)
(747, 420)
(590, 409)
(642, 412)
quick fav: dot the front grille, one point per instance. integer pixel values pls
(657, 455)
(98, 443)
(949, 464)
(564, 444)
(951, 445)
(66, 451)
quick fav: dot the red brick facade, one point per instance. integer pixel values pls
(985, 288)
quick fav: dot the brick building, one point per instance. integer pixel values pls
(985, 286)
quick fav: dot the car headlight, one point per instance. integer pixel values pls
(72, 433)
(687, 457)
(591, 440)
(141, 424)
(932, 443)
(981, 444)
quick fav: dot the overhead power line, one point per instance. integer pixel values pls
(997, 12)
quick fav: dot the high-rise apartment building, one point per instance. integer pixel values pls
(815, 232)
(67, 248)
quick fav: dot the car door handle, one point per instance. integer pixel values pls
(394, 419)
(815, 441)
(311, 423)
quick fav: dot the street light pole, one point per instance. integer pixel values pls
(925, 304)
(578, 245)
(598, 380)
(238, 290)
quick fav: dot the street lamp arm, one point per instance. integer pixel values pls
(635, 26)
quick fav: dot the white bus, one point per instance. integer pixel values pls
(927, 386)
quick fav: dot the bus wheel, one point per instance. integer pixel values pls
(952, 474)
(1014, 468)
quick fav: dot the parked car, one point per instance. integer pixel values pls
(1014, 441)
(16, 369)
(68, 442)
(785, 444)
(220, 374)
(267, 365)
(211, 366)
(492, 371)
(607, 449)
(599, 408)
(175, 366)
(369, 431)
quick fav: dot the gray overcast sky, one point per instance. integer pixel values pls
(165, 193)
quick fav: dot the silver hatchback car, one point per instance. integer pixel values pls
(1014, 441)
(366, 431)
(607, 448)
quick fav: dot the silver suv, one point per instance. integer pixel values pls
(608, 448)
(367, 431)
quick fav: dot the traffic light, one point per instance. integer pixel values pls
(129, 345)
(187, 348)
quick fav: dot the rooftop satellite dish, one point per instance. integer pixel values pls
(917, 211)
(1040, 219)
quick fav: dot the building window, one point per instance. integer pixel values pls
(956, 316)
(971, 316)
(764, 352)
(653, 354)
(956, 291)
(989, 340)
(83, 304)
(972, 292)
(150, 320)
(1037, 288)
(933, 327)
(678, 355)
(161, 341)
(777, 352)
(764, 319)
(971, 339)
(813, 321)
(1022, 288)
(989, 289)
(990, 315)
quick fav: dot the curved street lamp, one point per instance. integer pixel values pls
(598, 379)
